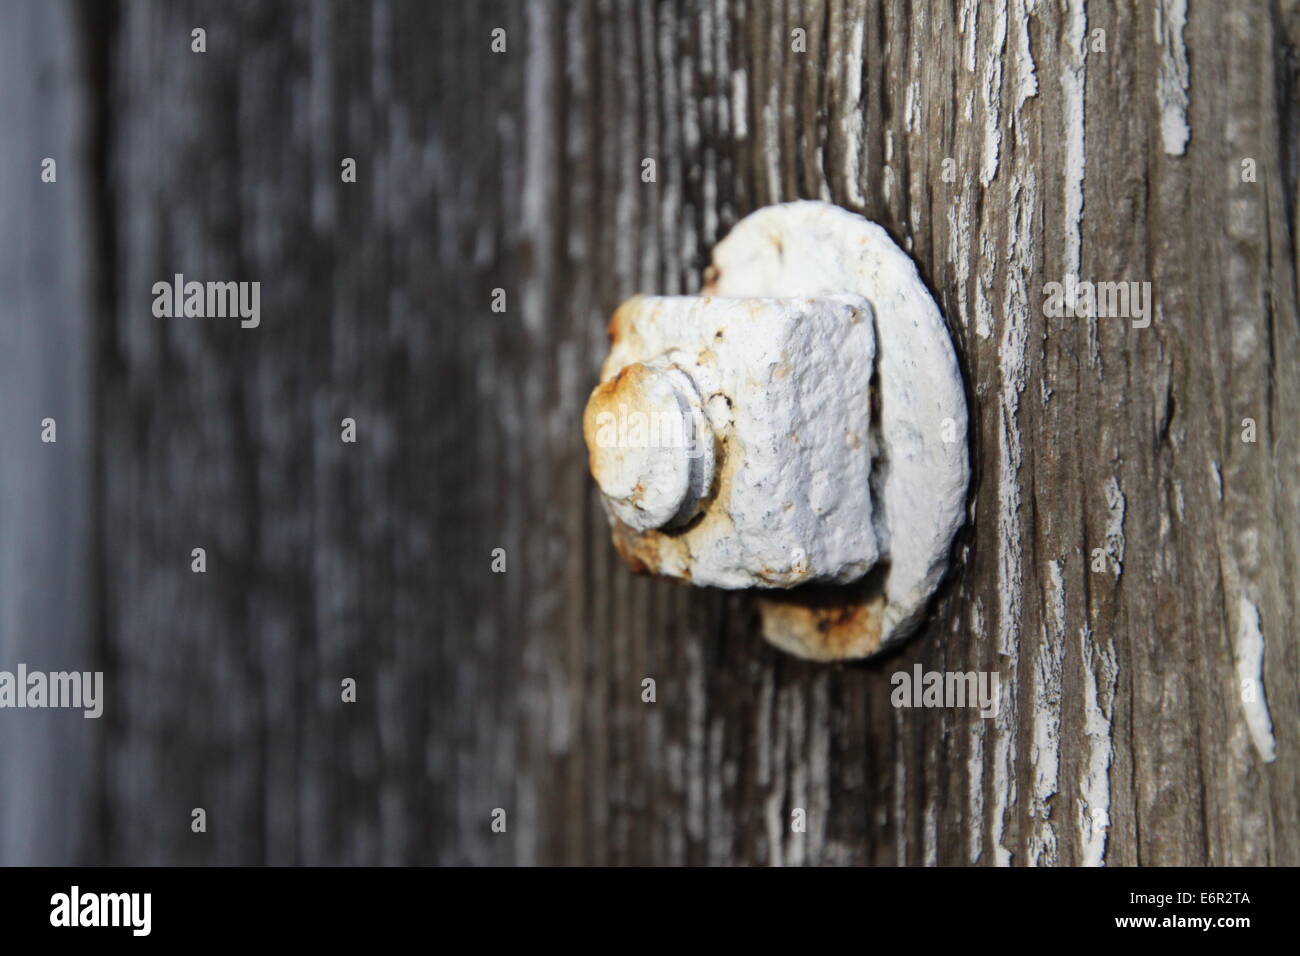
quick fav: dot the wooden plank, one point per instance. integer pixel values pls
(1122, 735)
(48, 622)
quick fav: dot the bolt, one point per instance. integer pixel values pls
(650, 445)
(835, 395)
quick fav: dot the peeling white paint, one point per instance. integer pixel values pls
(959, 250)
(1249, 653)
(887, 174)
(984, 282)
(975, 763)
(1100, 671)
(912, 106)
(1026, 71)
(975, 793)
(1011, 358)
(823, 187)
(1058, 597)
(1115, 507)
(1045, 747)
(1004, 778)
(1216, 475)
(968, 18)
(992, 90)
(772, 137)
(1074, 84)
(1174, 78)
(851, 124)
(930, 834)
(740, 104)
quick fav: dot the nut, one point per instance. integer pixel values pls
(788, 407)
(820, 374)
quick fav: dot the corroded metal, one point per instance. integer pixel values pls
(798, 427)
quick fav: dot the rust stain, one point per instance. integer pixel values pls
(648, 552)
(667, 553)
(622, 324)
(826, 624)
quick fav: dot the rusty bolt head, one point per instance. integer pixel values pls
(839, 413)
(650, 445)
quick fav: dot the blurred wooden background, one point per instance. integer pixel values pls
(1114, 156)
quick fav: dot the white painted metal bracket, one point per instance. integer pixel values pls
(800, 427)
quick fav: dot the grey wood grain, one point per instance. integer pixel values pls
(1122, 735)
(48, 621)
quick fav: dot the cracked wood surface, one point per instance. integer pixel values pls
(1122, 736)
